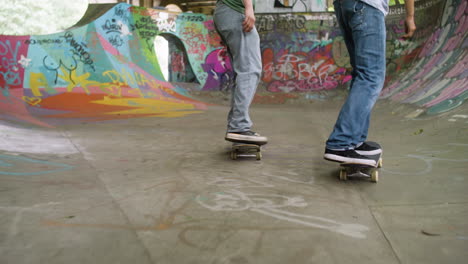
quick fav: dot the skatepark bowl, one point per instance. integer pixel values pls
(103, 160)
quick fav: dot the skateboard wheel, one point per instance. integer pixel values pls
(375, 176)
(233, 155)
(343, 175)
(259, 155)
(379, 165)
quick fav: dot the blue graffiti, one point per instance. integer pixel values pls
(12, 162)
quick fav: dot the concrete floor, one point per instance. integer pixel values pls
(155, 190)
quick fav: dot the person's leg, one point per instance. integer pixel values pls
(364, 27)
(244, 49)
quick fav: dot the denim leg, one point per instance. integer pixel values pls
(363, 29)
(244, 49)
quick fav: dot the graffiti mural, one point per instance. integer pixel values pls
(104, 70)
(435, 73)
(297, 53)
(107, 69)
(305, 52)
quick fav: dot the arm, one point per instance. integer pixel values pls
(249, 21)
(410, 26)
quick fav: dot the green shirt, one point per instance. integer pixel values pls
(237, 5)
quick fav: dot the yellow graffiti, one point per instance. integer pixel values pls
(32, 100)
(37, 81)
(145, 106)
(126, 78)
(135, 92)
(112, 89)
(74, 80)
(123, 90)
(118, 85)
(149, 98)
(121, 78)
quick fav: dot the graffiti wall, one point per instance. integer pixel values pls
(305, 52)
(297, 53)
(431, 72)
(104, 70)
(282, 6)
(107, 69)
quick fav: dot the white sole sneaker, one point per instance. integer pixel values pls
(342, 159)
(369, 148)
(257, 139)
(348, 156)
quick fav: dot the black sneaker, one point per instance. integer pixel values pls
(348, 156)
(246, 137)
(369, 148)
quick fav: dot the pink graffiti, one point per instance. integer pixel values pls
(430, 44)
(462, 25)
(194, 39)
(219, 69)
(209, 25)
(301, 71)
(459, 68)
(11, 71)
(458, 36)
(387, 91)
(461, 10)
(178, 62)
(408, 91)
(456, 88)
(429, 66)
(399, 29)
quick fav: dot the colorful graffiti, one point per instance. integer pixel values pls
(433, 74)
(304, 52)
(297, 53)
(107, 69)
(104, 70)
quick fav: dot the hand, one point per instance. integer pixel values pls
(410, 27)
(249, 21)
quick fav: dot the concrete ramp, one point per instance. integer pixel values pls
(433, 74)
(104, 161)
(106, 68)
(93, 12)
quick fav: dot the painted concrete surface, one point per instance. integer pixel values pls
(117, 165)
(107, 68)
(158, 190)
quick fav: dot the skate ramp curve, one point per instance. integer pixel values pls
(106, 68)
(93, 12)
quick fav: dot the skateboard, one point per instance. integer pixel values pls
(246, 150)
(360, 170)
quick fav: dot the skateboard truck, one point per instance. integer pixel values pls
(360, 170)
(246, 150)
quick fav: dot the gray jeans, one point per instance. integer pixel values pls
(244, 49)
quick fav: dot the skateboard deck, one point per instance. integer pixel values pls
(246, 150)
(361, 170)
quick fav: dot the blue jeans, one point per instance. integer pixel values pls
(363, 28)
(244, 49)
